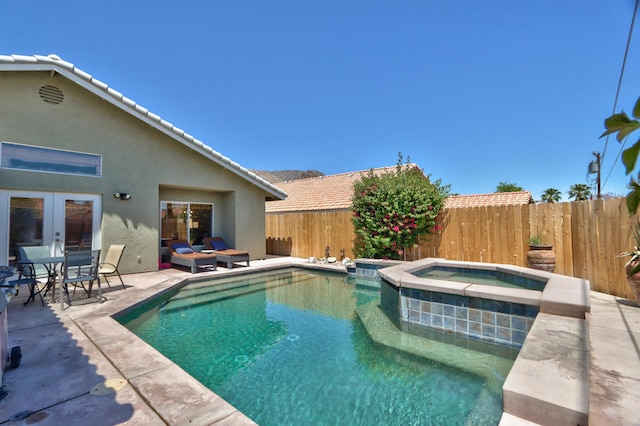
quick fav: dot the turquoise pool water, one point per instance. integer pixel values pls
(287, 347)
(480, 276)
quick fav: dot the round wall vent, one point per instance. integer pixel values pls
(51, 94)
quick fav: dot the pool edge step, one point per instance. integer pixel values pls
(549, 381)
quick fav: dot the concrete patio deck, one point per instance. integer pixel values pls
(68, 356)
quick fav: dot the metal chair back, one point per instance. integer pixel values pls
(37, 271)
(80, 267)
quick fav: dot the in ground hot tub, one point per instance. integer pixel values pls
(483, 300)
(549, 381)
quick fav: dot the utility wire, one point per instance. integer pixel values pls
(615, 102)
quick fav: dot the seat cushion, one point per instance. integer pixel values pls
(182, 248)
(219, 245)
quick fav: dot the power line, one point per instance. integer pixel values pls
(615, 102)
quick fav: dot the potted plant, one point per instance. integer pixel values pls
(540, 255)
(632, 267)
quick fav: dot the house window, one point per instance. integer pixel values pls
(37, 159)
(185, 221)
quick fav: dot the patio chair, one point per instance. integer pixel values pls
(35, 252)
(27, 276)
(36, 275)
(183, 254)
(110, 264)
(224, 253)
(80, 267)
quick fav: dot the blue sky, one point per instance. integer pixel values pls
(474, 92)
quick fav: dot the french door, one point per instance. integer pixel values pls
(60, 221)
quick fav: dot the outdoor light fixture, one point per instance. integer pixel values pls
(122, 195)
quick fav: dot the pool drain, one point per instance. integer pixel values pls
(293, 337)
(108, 387)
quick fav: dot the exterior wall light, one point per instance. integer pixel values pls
(122, 196)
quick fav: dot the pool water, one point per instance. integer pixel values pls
(287, 347)
(479, 276)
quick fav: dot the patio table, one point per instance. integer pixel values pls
(51, 264)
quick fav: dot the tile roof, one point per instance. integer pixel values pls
(493, 199)
(334, 192)
(331, 192)
(54, 64)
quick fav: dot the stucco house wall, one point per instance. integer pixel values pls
(138, 158)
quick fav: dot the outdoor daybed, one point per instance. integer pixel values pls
(224, 253)
(183, 254)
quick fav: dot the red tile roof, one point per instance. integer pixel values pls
(331, 192)
(493, 199)
(334, 192)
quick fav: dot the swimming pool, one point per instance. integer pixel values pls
(288, 347)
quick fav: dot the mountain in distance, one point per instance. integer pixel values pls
(285, 175)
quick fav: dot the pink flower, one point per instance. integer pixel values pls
(396, 228)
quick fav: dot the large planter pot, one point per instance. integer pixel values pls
(541, 257)
(634, 283)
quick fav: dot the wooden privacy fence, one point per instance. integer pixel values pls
(310, 233)
(587, 237)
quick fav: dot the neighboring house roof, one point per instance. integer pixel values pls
(54, 64)
(333, 192)
(494, 199)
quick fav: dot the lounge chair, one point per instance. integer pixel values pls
(183, 254)
(224, 253)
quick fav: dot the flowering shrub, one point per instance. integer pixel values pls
(391, 212)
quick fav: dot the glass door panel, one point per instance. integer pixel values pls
(185, 221)
(78, 224)
(26, 224)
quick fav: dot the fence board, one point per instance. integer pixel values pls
(587, 237)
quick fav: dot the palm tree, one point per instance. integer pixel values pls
(551, 195)
(579, 192)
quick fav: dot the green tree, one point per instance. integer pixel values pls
(551, 195)
(393, 211)
(508, 187)
(624, 126)
(579, 192)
